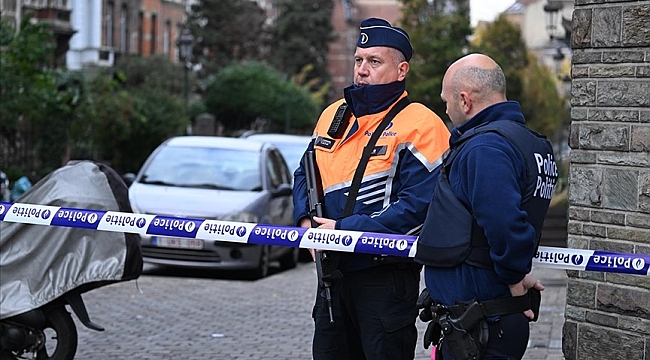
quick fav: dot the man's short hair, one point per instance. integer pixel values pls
(482, 82)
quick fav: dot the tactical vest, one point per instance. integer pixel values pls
(452, 235)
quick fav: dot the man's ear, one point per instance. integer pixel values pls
(465, 102)
(402, 70)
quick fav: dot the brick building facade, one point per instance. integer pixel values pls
(96, 32)
(160, 25)
(142, 27)
(608, 315)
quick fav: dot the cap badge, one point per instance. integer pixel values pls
(364, 38)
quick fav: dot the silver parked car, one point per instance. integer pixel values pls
(292, 147)
(218, 178)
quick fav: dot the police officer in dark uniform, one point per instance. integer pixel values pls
(484, 222)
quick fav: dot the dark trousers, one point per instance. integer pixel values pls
(374, 315)
(508, 339)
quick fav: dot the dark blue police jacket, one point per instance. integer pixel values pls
(484, 222)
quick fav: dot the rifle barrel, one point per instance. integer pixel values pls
(315, 195)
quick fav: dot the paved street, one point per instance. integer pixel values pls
(209, 315)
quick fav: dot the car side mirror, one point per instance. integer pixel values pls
(128, 178)
(282, 190)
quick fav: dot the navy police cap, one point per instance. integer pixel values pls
(379, 32)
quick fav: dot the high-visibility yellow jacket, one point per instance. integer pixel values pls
(399, 179)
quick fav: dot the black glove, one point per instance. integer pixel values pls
(432, 334)
(424, 302)
(535, 302)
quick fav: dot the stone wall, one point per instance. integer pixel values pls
(607, 314)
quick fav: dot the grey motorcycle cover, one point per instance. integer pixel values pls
(39, 264)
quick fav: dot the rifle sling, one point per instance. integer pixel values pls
(361, 168)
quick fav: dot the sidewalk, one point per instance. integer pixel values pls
(211, 316)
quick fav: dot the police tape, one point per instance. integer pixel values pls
(173, 231)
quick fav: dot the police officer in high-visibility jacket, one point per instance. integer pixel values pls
(485, 219)
(374, 301)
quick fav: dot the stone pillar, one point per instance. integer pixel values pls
(607, 314)
(207, 125)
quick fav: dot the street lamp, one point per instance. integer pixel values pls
(553, 23)
(558, 30)
(185, 44)
(558, 59)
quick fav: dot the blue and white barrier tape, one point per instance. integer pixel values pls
(263, 234)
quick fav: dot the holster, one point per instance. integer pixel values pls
(464, 327)
(466, 335)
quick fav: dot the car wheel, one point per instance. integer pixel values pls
(262, 269)
(290, 259)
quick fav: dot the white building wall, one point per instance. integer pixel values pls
(534, 31)
(85, 44)
(532, 20)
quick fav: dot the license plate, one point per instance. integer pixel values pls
(177, 243)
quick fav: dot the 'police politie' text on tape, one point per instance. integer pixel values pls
(264, 234)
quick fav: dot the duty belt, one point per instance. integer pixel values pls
(488, 308)
(501, 306)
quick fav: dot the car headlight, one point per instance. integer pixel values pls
(241, 216)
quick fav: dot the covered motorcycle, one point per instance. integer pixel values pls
(45, 268)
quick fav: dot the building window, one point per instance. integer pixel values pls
(177, 34)
(167, 35)
(109, 24)
(10, 5)
(124, 29)
(154, 30)
(140, 33)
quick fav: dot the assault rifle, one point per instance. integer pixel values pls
(315, 195)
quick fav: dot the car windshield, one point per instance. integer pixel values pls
(292, 153)
(203, 167)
